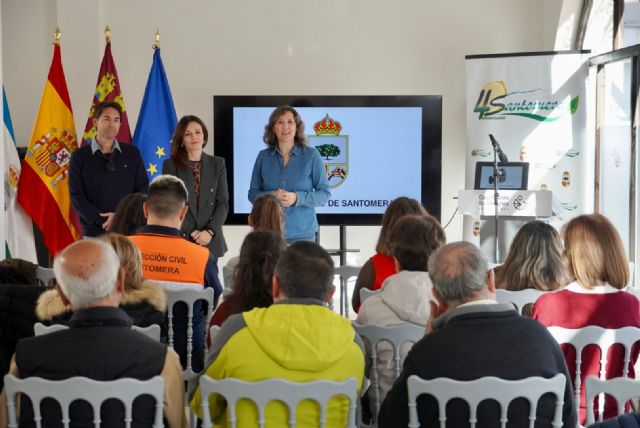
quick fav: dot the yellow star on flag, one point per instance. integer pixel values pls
(152, 169)
(160, 151)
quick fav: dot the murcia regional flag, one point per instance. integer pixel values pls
(43, 190)
(107, 89)
(18, 227)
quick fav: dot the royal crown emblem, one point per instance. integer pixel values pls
(52, 153)
(327, 126)
(334, 149)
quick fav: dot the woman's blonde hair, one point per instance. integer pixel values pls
(130, 259)
(534, 260)
(594, 253)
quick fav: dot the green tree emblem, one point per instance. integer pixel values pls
(328, 150)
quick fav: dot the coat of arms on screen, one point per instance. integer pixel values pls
(334, 149)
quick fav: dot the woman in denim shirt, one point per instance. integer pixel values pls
(293, 172)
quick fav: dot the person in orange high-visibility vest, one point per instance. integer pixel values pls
(167, 256)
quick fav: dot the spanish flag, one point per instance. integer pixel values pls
(107, 89)
(43, 190)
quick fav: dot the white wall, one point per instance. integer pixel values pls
(276, 47)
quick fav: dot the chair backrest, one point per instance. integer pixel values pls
(473, 392)
(519, 298)
(40, 329)
(604, 339)
(44, 275)
(345, 273)
(152, 331)
(395, 335)
(213, 332)
(620, 388)
(76, 388)
(365, 293)
(289, 393)
(188, 294)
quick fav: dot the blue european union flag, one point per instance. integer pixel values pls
(157, 119)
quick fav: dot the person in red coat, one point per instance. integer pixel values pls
(597, 264)
(381, 265)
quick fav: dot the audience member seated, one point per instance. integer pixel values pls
(298, 338)
(144, 301)
(18, 271)
(406, 295)
(167, 256)
(381, 265)
(252, 277)
(472, 336)
(129, 214)
(534, 260)
(597, 264)
(99, 343)
(267, 213)
(18, 297)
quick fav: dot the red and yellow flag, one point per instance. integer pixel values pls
(107, 89)
(43, 190)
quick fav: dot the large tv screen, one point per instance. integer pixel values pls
(374, 149)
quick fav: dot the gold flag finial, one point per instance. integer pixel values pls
(107, 34)
(56, 35)
(157, 44)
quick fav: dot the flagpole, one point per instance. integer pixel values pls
(107, 34)
(157, 43)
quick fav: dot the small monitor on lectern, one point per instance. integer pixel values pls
(513, 175)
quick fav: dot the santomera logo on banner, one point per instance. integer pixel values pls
(495, 102)
(535, 106)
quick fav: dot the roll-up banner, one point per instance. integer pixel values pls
(535, 105)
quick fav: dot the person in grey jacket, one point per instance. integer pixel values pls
(205, 178)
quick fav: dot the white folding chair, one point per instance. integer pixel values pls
(152, 331)
(475, 391)
(519, 298)
(394, 336)
(604, 339)
(345, 273)
(80, 388)
(365, 293)
(621, 389)
(213, 332)
(44, 275)
(286, 392)
(188, 295)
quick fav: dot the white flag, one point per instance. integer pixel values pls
(18, 226)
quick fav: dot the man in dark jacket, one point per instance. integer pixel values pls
(99, 343)
(472, 336)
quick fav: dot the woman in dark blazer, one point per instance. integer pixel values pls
(205, 177)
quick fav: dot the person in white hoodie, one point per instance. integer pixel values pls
(405, 296)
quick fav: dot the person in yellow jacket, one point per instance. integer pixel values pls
(297, 338)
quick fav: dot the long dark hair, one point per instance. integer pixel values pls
(252, 276)
(178, 152)
(267, 213)
(129, 214)
(397, 208)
